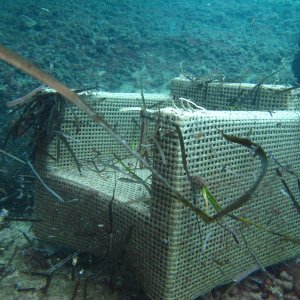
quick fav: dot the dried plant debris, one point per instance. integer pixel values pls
(196, 182)
(44, 270)
(39, 270)
(264, 166)
(38, 118)
(288, 190)
(203, 80)
(52, 192)
(20, 63)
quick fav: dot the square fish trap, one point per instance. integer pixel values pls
(174, 254)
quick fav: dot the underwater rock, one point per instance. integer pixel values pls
(285, 276)
(285, 285)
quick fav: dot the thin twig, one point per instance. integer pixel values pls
(20, 63)
(45, 288)
(111, 220)
(62, 262)
(75, 291)
(26, 98)
(13, 156)
(53, 193)
(288, 190)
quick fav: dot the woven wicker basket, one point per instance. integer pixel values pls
(174, 254)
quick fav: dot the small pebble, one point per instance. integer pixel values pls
(297, 287)
(276, 291)
(285, 276)
(251, 296)
(285, 285)
(296, 275)
(234, 290)
(251, 287)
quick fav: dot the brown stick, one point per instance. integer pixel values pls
(20, 63)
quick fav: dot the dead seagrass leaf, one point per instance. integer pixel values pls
(19, 62)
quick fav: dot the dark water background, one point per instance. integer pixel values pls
(112, 44)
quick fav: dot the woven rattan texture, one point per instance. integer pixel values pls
(235, 96)
(82, 222)
(204, 256)
(91, 140)
(174, 254)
